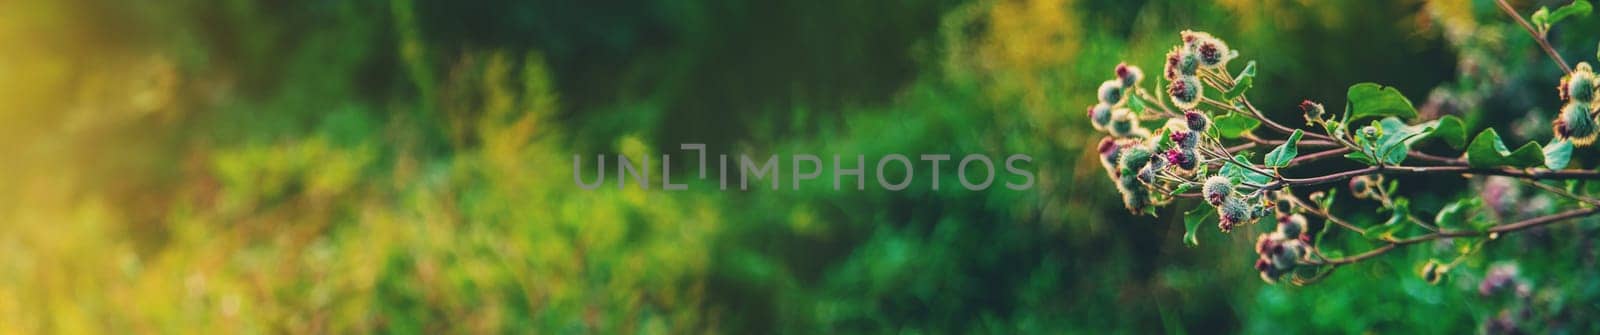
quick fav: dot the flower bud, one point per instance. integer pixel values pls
(1197, 121)
(1579, 86)
(1282, 206)
(1292, 226)
(1184, 159)
(1289, 253)
(1185, 91)
(1110, 153)
(1268, 243)
(1133, 159)
(1129, 75)
(1210, 51)
(1433, 271)
(1575, 124)
(1216, 189)
(1278, 255)
(1100, 116)
(1184, 139)
(1371, 133)
(1314, 111)
(1111, 92)
(1233, 212)
(1181, 62)
(1123, 123)
(1361, 187)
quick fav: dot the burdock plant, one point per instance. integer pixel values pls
(1196, 134)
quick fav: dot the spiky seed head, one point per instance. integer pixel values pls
(1100, 116)
(1579, 86)
(1185, 91)
(1292, 225)
(1129, 75)
(1216, 189)
(1576, 124)
(1111, 92)
(1123, 123)
(1313, 111)
(1196, 120)
(1233, 212)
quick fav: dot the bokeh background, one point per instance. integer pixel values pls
(314, 166)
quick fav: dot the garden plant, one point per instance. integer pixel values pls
(1192, 132)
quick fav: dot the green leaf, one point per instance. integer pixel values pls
(1541, 17)
(1326, 202)
(1192, 221)
(1397, 138)
(1385, 232)
(1487, 150)
(1557, 154)
(1370, 99)
(1455, 214)
(1451, 130)
(1239, 174)
(1246, 78)
(1578, 7)
(1233, 125)
(1360, 157)
(1284, 153)
(1182, 188)
(1397, 222)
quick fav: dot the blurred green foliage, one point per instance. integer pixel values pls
(402, 166)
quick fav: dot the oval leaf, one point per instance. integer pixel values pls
(1233, 171)
(1370, 99)
(1557, 154)
(1578, 7)
(1192, 221)
(1487, 150)
(1246, 78)
(1233, 125)
(1285, 153)
(1451, 130)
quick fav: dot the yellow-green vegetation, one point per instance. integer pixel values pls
(399, 166)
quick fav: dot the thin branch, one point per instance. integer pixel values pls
(1303, 143)
(1242, 147)
(1276, 126)
(1335, 152)
(1325, 178)
(1318, 211)
(1537, 37)
(1535, 174)
(1436, 159)
(1562, 192)
(1500, 229)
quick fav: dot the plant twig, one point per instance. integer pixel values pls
(1500, 229)
(1562, 192)
(1318, 211)
(1335, 152)
(1534, 174)
(1537, 37)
